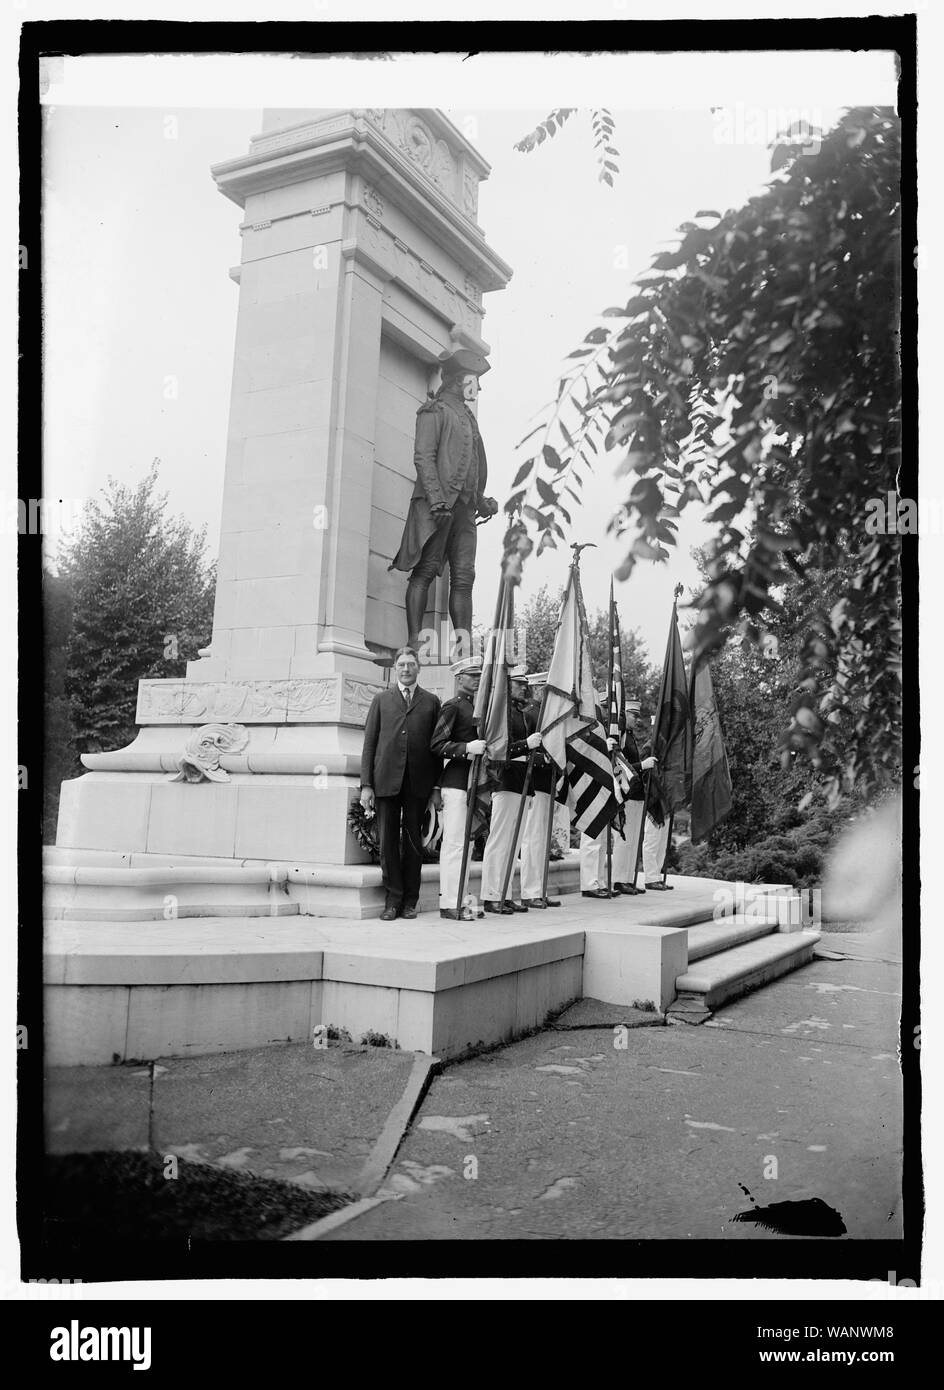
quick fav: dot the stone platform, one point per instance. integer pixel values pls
(137, 989)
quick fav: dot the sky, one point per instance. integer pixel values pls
(140, 310)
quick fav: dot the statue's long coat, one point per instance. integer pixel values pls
(449, 458)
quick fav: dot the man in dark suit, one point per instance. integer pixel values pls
(398, 773)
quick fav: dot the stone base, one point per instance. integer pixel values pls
(184, 989)
(252, 816)
(101, 886)
(132, 988)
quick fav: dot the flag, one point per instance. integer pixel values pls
(711, 778)
(491, 700)
(672, 736)
(492, 710)
(617, 692)
(573, 736)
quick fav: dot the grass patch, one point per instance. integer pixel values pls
(125, 1196)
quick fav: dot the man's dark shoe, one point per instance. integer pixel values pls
(505, 909)
(468, 914)
(661, 887)
(595, 893)
(628, 889)
(535, 902)
(552, 902)
(408, 911)
(515, 907)
(389, 914)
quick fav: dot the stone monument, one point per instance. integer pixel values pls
(362, 265)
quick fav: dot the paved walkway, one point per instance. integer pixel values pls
(298, 1113)
(564, 1135)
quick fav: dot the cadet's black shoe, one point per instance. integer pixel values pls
(534, 902)
(515, 907)
(468, 914)
(595, 893)
(505, 909)
(552, 902)
(661, 887)
(628, 889)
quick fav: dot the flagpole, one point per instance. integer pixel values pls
(550, 829)
(668, 846)
(476, 763)
(609, 711)
(532, 753)
(655, 735)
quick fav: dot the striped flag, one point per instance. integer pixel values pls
(573, 736)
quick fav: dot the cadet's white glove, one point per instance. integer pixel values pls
(648, 764)
(534, 741)
(476, 748)
(611, 743)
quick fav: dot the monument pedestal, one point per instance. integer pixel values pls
(362, 262)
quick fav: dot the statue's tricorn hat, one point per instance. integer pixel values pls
(462, 362)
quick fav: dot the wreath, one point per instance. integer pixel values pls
(364, 829)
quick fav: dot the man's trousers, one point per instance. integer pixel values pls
(400, 832)
(498, 846)
(450, 846)
(654, 846)
(534, 845)
(593, 852)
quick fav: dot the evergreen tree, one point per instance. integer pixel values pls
(133, 599)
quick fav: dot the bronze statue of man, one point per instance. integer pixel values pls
(451, 472)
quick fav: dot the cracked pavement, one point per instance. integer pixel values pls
(793, 1091)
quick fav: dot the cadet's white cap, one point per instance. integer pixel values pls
(633, 706)
(538, 678)
(518, 673)
(467, 666)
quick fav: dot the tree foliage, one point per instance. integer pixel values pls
(756, 368)
(141, 598)
(603, 126)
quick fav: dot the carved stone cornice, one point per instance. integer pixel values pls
(334, 699)
(417, 159)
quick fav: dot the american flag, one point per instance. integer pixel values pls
(573, 735)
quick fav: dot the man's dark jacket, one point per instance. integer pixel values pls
(396, 738)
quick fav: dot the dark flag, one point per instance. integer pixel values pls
(672, 736)
(617, 692)
(711, 779)
(492, 712)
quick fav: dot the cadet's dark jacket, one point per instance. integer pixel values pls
(521, 723)
(634, 754)
(396, 738)
(543, 772)
(454, 729)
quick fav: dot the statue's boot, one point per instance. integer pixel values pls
(460, 612)
(416, 594)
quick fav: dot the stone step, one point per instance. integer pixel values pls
(723, 933)
(719, 978)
